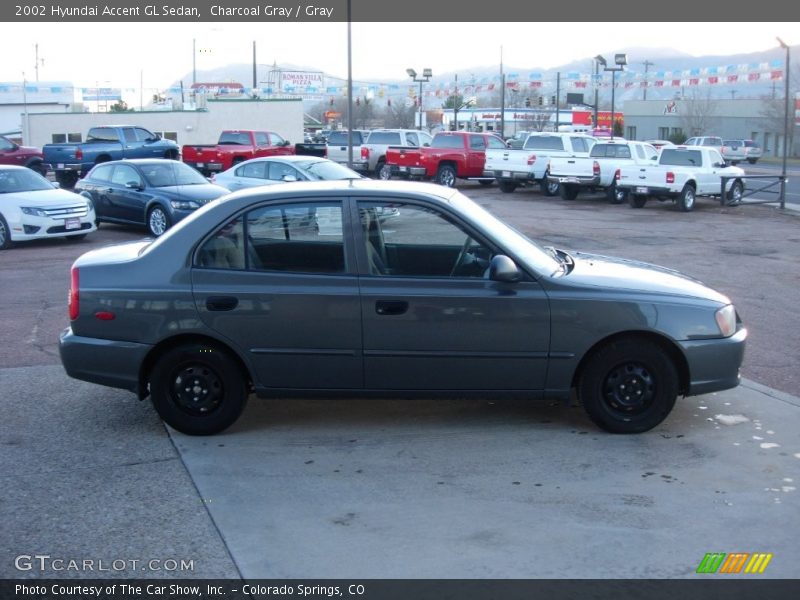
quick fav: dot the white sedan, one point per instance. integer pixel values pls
(33, 208)
(281, 169)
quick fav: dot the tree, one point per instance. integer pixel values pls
(454, 101)
(119, 107)
(400, 116)
(773, 110)
(697, 112)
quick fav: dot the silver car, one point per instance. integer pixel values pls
(281, 169)
(301, 290)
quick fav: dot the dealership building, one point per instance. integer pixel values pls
(756, 119)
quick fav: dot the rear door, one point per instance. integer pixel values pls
(279, 284)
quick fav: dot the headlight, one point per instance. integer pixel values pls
(726, 320)
(184, 204)
(34, 212)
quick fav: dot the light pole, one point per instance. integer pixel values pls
(785, 46)
(426, 77)
(620, 60)
(597, 60)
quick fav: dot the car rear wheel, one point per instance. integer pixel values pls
(686, 199)
(637, 200)
(198, 389)
(569, 192)
(616, 195)
(628, 386)
(506, 186)
(5, 234)
(385, 172)
(446, 176)
(157, 221)
(752, 161)
(549, 188)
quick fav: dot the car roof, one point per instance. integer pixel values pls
(287, 158)
(11, 168)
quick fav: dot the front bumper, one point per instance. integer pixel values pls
(32, 227)
(106, 362)
(714, 364)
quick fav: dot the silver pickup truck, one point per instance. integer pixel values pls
(336, 148)
(528, 165)
(597, 171)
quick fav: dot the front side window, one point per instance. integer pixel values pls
(496, 142)
(404, 240)
(124, 174)
(477, 142)
(279, 171)
(102, 173)
(143, 135)
(262, 139)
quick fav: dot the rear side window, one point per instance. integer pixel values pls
(681, 158)
(544, 142)
(390, 138)
(447, 141)
(102, 134)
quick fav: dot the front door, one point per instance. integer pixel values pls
(431, 317)
(277, 284)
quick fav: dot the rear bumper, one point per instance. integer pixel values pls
(582, 181)
(649, 190)
(210, 167)
(714, 364)
(510, 175)
(106, 362)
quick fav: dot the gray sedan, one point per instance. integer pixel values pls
(281, 169)
(302, 290)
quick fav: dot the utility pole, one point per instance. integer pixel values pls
(502, 97)
(558, 97)
(647, 64)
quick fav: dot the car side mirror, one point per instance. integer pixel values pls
(503, 269)
(133, 185)
(288, 178)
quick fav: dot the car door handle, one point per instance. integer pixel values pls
(385, 308)
(221, 303)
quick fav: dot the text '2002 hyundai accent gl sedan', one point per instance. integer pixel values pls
(302, 289)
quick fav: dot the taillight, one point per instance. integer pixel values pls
(531, 159)
(364, 153)
(670, 177)
(74, 298)
(596, 168)
(616, 175)
(78, 154)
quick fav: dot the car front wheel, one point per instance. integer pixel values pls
(628, 386)
(157, 221)
(198, 389)
(5, 234)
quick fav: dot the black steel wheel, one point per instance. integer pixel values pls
(198, 389)
(629, 385)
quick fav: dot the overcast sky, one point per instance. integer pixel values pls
(108, 54)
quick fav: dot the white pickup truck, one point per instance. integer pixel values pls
(682, 174)
(528, 165)
(598, 171)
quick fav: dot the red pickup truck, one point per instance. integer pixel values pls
(451, 155)
(12, 153)
(234, 146)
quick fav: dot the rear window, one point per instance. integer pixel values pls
(681, 158)
(750, 144)
(610, 151)
(235, 138)
(339, 138)
(391, 138)
(712, 141)
(544, 142)
(447, 141)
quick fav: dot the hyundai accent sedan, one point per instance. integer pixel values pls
(269, 170)
(301, 290)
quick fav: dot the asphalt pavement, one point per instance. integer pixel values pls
(417, 488)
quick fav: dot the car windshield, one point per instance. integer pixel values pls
(520, 245)
(22, 180)
(171, 172)
(325, 169)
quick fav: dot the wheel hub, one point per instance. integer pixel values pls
(197, 390)
(629, 388)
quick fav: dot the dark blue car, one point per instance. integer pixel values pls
(154, 192)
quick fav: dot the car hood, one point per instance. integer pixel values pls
(594, 270)
(42, 198)
(200, 193)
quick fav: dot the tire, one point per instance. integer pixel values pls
(214, 400)
(446, 176)
(5, 235)
(569, 192)
(171, 154)
(76, 238)
(379, 168)
(385, 172)
(637, 200)
(735, 195)
(752, 161)
(686, 199)
(486, 182)
(549, 188)
(67, 179)
(628, 386)
(158, 220)
(37, 167)
(506, 186)
(615, 195)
